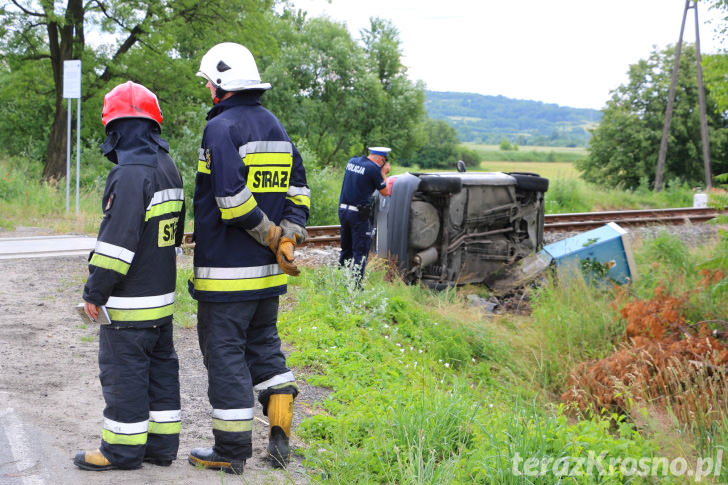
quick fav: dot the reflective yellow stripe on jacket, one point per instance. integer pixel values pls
(239, 279)
(236, 205)
(141, 308)
(299, 195)
(165, 202)
(110, 256)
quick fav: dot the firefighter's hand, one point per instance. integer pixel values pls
(285, 257)
(273, 237)
(91, 310)
(266, 233)
(293, 231)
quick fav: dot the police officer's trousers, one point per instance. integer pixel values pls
(241, 349)
(356, 238)
(140, 383)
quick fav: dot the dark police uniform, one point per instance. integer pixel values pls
(361, 178)
(248, 166)
(133, 272)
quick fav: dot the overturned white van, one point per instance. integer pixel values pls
(454, 228)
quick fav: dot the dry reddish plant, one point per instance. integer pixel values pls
(663, 359)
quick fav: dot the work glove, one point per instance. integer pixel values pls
(267, 233)
(293, 231)
(285, 257)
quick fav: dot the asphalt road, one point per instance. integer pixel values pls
(45, 246)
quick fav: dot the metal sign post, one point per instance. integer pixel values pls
(72, 89)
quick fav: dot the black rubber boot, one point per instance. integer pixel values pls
(280, 414)
(208, 458)
(157, 461)
(278, 448)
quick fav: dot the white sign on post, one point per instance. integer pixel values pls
(72, 79)
(72, 90)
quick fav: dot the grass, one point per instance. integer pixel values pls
(529, 148)
(493, 153)
(185, 308)
(425, 391)
(25, 202)
(551, 170)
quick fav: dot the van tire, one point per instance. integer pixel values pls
(436, 183)
(530, 182)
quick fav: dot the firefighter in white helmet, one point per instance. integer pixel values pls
(132, 274)
(251, 206)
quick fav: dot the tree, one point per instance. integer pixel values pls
(337, 96)
(155, 42)
(624, 147)
(399, 121)
(440, 149)
(321, 88)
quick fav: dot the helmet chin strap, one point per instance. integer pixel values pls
(219, 94)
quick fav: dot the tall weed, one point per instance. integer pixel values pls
(26, 202)
(575, 323)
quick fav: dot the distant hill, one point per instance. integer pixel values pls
(487, 119)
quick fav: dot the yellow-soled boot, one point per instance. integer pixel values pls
(93, 460)
(280, 415)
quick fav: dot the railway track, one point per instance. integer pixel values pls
(581, 221)
(44, 246)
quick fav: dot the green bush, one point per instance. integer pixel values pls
(325, 185)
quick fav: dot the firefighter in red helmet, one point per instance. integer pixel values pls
(132, 275)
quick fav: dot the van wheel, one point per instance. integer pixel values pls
(436, 183)
(530, 182)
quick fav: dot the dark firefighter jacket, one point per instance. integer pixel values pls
(132, 268)
(248, 166)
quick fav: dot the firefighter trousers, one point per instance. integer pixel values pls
(140, 383)
(241, 348)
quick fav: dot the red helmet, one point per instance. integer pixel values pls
(130, 100)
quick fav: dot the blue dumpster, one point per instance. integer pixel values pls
(602, 253)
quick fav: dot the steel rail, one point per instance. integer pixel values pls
(579, 221)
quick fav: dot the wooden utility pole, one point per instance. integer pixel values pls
(670, 101)
(701, 101)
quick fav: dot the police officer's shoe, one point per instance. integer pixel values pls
(93, 460)
(280, 414)
(208, 458)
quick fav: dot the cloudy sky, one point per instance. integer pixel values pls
(568, 52)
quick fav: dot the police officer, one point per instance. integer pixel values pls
(251, 206)
(132, 275)
(362, 176)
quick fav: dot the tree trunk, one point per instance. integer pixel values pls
(66, 41)
(55, 167)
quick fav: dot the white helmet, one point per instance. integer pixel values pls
(231, 67)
